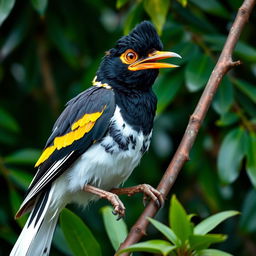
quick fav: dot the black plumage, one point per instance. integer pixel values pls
(90, 101)
(98, 139)
(143, 39)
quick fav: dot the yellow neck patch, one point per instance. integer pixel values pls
(99, 84)
(78, 130)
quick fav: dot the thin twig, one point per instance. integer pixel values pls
(249, 126)
(48, 80)
(224, 64)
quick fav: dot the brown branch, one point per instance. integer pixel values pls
(47, 77)
(224, 64)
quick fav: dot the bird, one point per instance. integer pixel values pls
(98, 140)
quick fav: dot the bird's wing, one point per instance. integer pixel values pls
(84, 121)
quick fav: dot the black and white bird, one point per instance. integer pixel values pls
(98, 140)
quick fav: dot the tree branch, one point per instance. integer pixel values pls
(47, 77)
(224, 64)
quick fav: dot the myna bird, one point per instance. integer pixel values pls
(98, 140)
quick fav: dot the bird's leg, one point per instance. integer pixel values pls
(119, 208)
(148, 191)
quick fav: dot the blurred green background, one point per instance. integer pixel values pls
(50, 51)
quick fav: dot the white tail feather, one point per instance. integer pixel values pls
(42, 242)
(36, 236)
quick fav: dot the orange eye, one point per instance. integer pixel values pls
(129, 56)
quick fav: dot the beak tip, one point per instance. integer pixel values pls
(177, 55)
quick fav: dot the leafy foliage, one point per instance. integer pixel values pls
(5, 8)
(40, 5)
(116, 230)
(184, 238)
(50, 51)
(79, 237)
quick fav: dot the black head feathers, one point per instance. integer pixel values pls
(133, 63)
(142, 38)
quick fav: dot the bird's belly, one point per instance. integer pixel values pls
(107, 163)
(103, 169)
(100, 169)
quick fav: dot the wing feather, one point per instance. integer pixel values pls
(85, 120)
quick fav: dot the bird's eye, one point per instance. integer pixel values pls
(129, 56)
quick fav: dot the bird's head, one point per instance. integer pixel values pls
(133, 62)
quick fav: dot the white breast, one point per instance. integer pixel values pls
(109, 162)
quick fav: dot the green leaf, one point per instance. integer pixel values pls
(179, 220)
(183, 2)
(15, 36)
(5, 9)
(78, 236)
(248, 89)
(234, 4)
(120, 3)
(251, 158)
(198, 72)
(8, 138)
(8, 122)
(116, 230)
(212, 7)
(40, 6)
(8, 235)
(212, 252)
(248, 216)
(224, 97)
(23, 156)
(20, 177)
(230, 156)
(228, 118)
(133, 17)
(245, 51)
(157, 11)
(199, 242)
(153, 246)
(166, 231)
(211, 222)
(61, 39)
(16, 201)
(246, 105)
(242, 50)
(198, 23)
(166, 87)
(209, 189)
(187, 51)
(59, 242)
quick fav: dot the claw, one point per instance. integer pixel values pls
(145, 200)
(119, 217)
(158, 204)
(155, 195)
(119, 209)
(114, 212)
(148, 191)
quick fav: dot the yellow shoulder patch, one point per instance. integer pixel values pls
(87, 118)
(78, 130)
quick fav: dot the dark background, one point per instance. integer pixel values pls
(48, 55)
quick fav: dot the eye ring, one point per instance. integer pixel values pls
(129, 56)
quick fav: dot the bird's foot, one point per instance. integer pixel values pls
(148, 191)
(117, 204)
(152, 193)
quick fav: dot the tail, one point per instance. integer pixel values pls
(36, 236)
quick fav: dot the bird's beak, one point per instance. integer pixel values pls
(150, 61)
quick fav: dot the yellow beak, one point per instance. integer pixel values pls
(150, 61)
